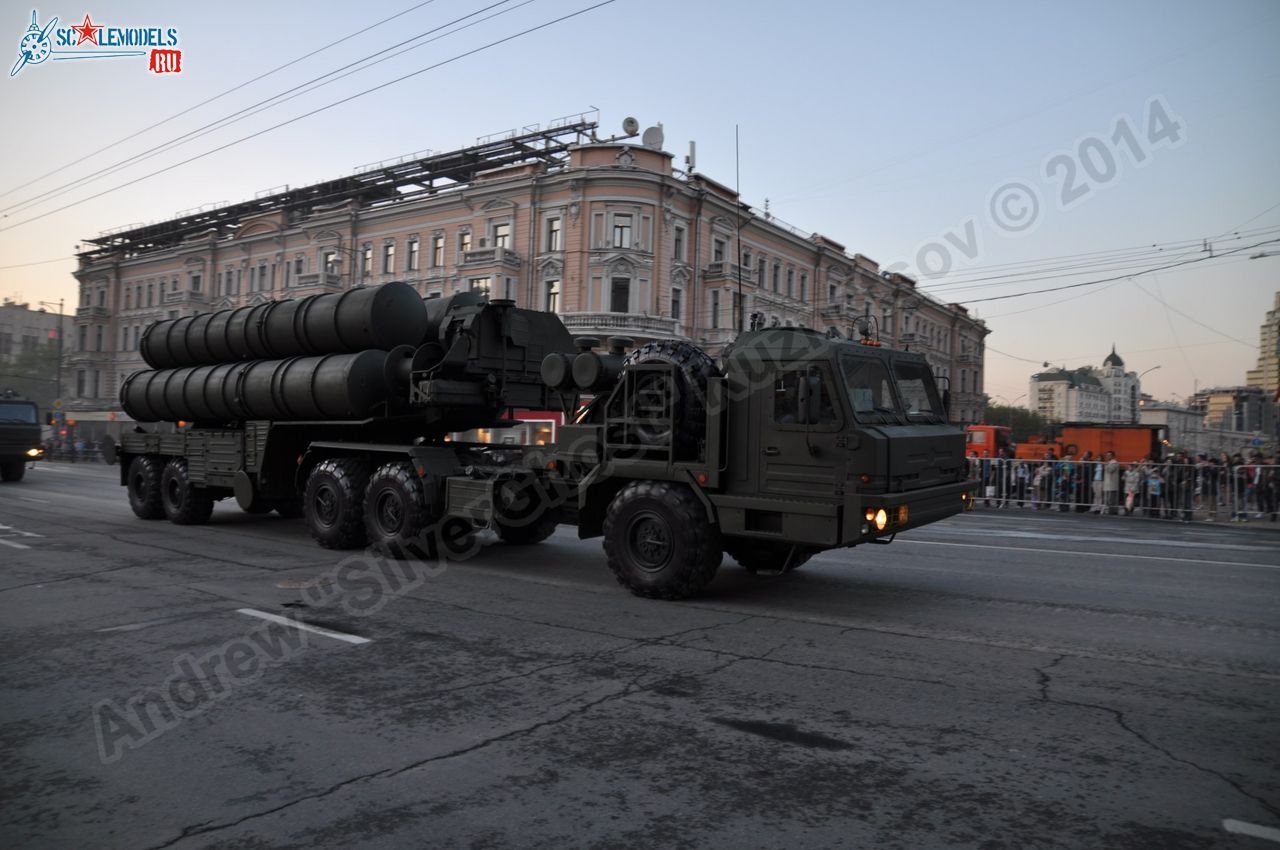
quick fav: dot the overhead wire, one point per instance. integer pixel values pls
(316, 111)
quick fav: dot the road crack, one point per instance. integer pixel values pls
(1045, 681)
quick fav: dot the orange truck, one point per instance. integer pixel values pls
(1129, 442)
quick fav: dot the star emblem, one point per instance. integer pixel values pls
(88, 31)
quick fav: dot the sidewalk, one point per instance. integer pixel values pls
(1199, 517)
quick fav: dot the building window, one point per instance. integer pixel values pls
(102, 297)
(329, 259)
(412, 265)
(555, 238)
(97, 383)
(197, 280)
(777, 274)
(736, 320)
(137, 336)
(502, 235)
(297, 267)
(389, 258)
(746, 260)
(677, 251)
(464, 240)
(552, 302)
(791, 283)
(263, 283)
(804, 286)
(437, 252)
(151, 294)
(675, 304)
(97, 338)
(715, 308)
(128, 298)
(717, 251)
(620, 295)
(366, 260)
(760, 273)
(481, 285)
(80, 383)
(622, 231)
(124, 338)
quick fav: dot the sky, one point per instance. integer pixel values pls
(991, 149)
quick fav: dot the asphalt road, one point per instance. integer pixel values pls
(1000, 680)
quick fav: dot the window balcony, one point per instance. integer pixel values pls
(481, 257)
(184, 296)
(328, 280)
(968, 359)
(724, 270)
(835, 311)
(92, 313)
(620, 324)
(909, 338)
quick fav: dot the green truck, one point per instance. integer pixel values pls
(794, 443)
(19, 436)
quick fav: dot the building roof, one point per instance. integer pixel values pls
(1113, 359)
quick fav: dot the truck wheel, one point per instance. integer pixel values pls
(693, 368)
(334, 502)
(13, 470)
(396, 513)
(659, 541)
(764, 556)
(144, 487)
(184, 503)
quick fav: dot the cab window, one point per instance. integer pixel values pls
(918, 391)
(870, 389)
(802, 397)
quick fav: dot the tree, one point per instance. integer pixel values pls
(33, 374)
(1021, 422)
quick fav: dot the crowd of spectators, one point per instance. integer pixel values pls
(1176, 487)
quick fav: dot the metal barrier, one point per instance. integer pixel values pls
(1209, 490)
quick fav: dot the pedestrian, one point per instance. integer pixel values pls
(1098, 472)
(1064, 479)
(1155, 491)
(1238, 482)
(1110, 483)
(1022, 479)
(1181, 478)
(1042, 483)
(1132, 487)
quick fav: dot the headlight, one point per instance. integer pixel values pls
(882, 519)
(34, 452)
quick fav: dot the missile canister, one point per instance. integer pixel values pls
(376, 317)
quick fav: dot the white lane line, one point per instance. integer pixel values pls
(14, 545)
(1094, 554)
(286, 621)
(1252, 829)
(37, 501)
(19, 531)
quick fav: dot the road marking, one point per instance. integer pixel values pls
(998, 531)
(1094, 554)
(37, 501)
(19, 532)
(14, 545)
(287, 621)
(1252, 829)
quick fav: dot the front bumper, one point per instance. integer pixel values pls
(922, 507)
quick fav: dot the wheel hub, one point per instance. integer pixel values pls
(389, 511)
(650, 541)
(326, 506)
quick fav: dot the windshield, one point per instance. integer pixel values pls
(870, 389)
(18, 411)
(919, 393)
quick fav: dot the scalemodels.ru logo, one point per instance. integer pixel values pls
(97, 41)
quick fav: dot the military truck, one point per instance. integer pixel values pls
(19, 436)
(340, 409)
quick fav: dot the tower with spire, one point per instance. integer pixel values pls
(1121, 386)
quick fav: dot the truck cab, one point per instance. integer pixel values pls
(19, 437)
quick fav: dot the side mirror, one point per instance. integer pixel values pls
(810, 398)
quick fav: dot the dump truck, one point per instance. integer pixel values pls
(343, 409)
(19, 436)
(1130, 442)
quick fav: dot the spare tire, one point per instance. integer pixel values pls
(693, 368)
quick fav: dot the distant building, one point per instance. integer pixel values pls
(1267, 374)
(1248, 409)
(1183, 426)
(1087, 394)
(24, 331)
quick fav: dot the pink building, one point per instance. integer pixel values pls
(605, 233)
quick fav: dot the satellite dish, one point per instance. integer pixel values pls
(630, 126)
(652, 138)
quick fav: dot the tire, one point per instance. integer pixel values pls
(397, 519)
(184, 503)
(13, 470)
(659, 541)
(764, 556)
(527, 514)
(693, 369)
(333, 503)
(144, 487)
